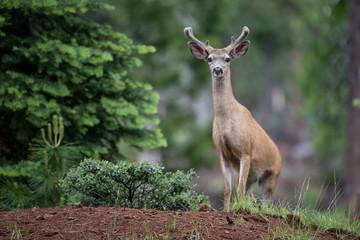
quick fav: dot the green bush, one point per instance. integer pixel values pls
(142, 185)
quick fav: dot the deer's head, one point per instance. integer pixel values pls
(218, 59)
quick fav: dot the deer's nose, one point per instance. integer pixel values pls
(218, 71)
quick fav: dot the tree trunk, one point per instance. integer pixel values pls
(353, 124)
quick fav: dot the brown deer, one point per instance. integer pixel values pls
(246, 152)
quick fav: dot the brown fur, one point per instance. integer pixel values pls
(246, 152)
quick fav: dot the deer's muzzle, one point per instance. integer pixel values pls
(217, 71)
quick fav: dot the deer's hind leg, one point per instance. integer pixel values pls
(268, 181)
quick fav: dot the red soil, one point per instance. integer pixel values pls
(80, 222)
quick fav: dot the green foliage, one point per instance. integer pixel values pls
(21, 169)
(55, 60)
(143, 185)
(356, 102)
(15, 194)
(35, 182)
(322, 79)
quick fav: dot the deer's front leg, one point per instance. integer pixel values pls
(243, 175)
(226, 172)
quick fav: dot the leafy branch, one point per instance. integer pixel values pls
(54, 140)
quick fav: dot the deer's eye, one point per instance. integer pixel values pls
(227, 59)
(209, 59)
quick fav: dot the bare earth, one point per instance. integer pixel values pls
(81, 222)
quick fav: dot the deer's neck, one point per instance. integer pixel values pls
(223, 98)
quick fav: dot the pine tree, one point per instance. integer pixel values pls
(55, 60)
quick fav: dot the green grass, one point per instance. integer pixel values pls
(131, 236)
(149, 235)
(288, 232)
(170, 227)
(196, 232)
(334, 217)
(238, 222)
(16, 233)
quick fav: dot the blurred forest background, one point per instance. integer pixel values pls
(294, 80)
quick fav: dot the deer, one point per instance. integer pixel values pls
(247, 153)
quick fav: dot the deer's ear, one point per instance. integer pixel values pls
(240, 49)
(198, 51)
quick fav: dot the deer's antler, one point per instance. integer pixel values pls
(235, 42)
(189, 34)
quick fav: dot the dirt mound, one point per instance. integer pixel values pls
(81, 222)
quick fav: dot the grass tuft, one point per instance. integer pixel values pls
(16, 233)
(288, 232)
(333, 218)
